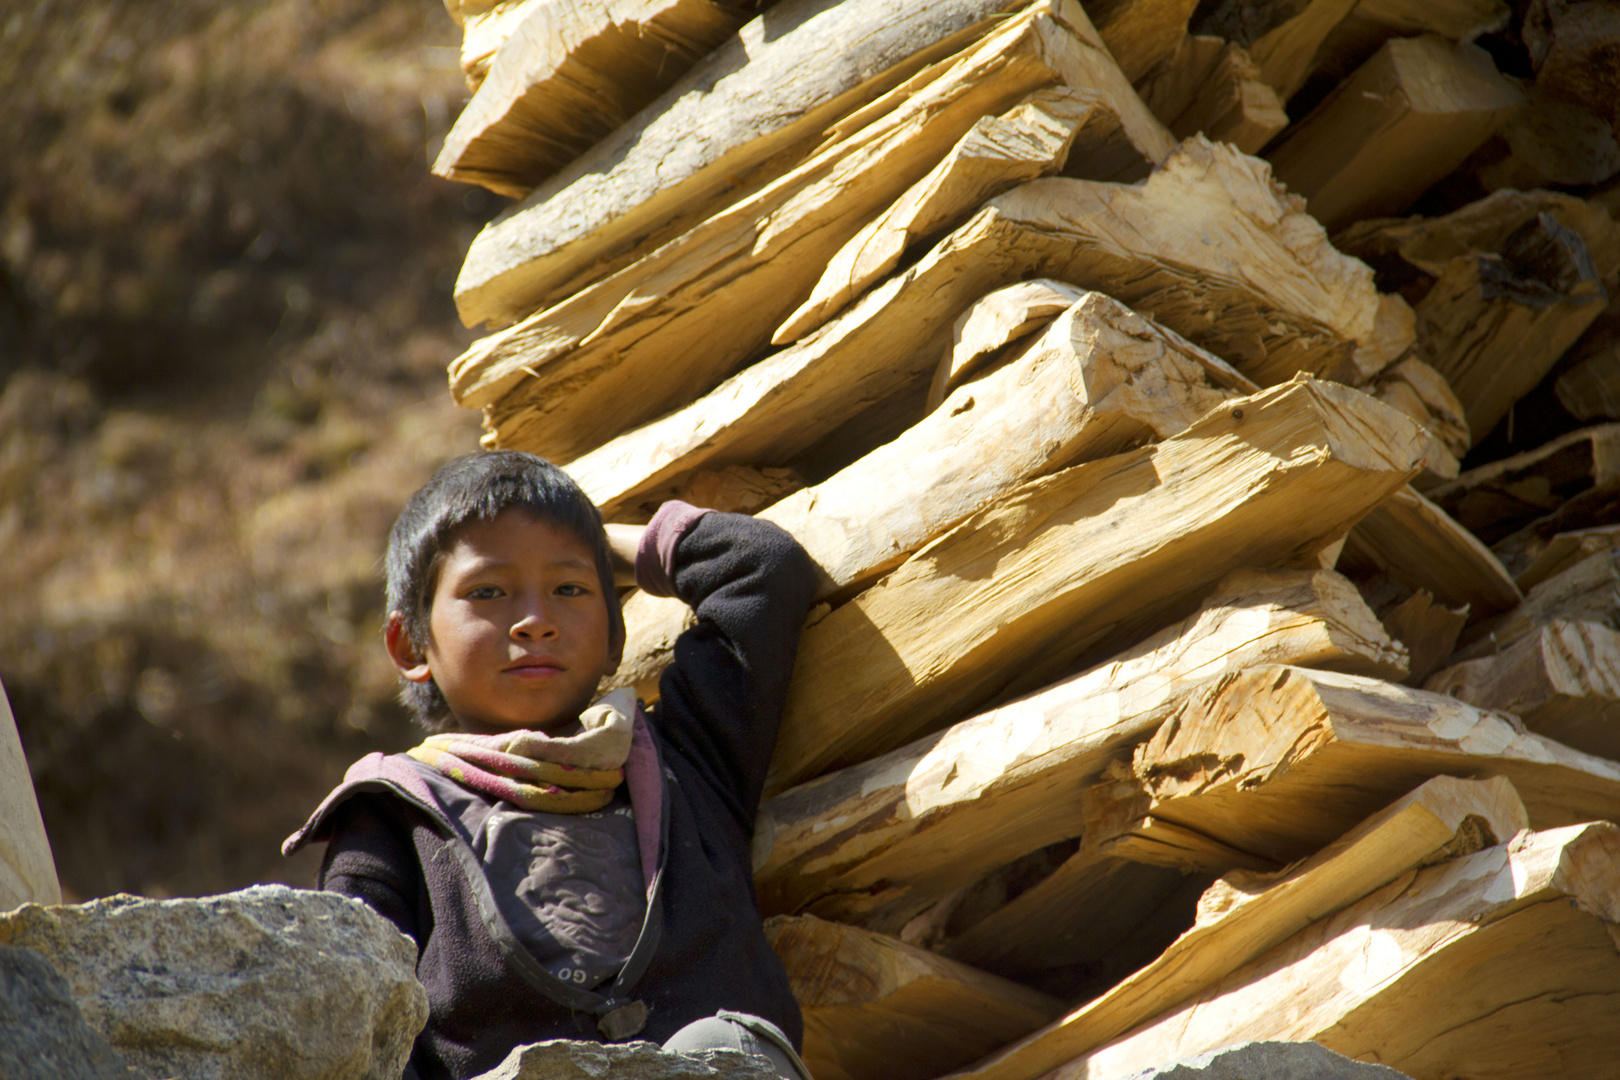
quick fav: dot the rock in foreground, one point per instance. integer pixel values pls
(565, 1059)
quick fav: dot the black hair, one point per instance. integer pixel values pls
(477, 487)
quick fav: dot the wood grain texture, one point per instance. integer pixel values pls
(1053, 569)
(568, 74)
(1244, 915)
(1100, 380)
(876, 842)
(1277, 761)
(1588, 591)
(1528, 928)
(1497, 499)
(875, 1007)
(1211, 87)
(1406, 118)
(27, 868)
(749, 112)
(1420, 392)
(1282, 38)
(1428, 629)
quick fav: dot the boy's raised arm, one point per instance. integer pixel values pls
(623, 542)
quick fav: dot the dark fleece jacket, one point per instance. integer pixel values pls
(702, 948)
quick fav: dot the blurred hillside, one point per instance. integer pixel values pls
(225, 312)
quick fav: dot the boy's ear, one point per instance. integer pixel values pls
(402, 652)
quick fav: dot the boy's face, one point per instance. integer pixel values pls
(518, 627)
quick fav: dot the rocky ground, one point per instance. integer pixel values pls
(225, 312)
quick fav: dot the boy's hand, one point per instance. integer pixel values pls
(623, 540)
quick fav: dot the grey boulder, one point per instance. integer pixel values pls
(269, 983)
(566, 1059)
(1270, 1061)
(43, 1035)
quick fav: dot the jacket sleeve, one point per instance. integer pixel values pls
(750, 585)
(369, 858)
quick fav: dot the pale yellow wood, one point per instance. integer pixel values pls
(568, 74)
(1495, 500)
(1244, 915)
(876, 1008)
(1429, 631)
(1100, 379)
(1211, 87)
(485, 28)
(1394, 331)
(1415, 542)
(27, 869)
(1097, 553)
(1420, 392)
(993, 322)
(1563, 681)
(1565, 550)
(751, 111)
(998, 152)
(1498, 965)
(1140, 33)
(1588, 591)
(876, 842)
(1494, 337)
(653, 336)
(1276, 761)
(1406, 118)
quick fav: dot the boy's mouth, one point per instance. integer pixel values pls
(535, 667)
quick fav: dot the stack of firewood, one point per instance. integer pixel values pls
(1172, 684)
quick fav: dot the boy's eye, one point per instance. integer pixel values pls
(572, 590)
(484, 592)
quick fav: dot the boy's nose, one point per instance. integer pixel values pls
(536, 622)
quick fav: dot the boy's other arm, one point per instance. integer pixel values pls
(623, 543)
(366, 858)
(750, 584)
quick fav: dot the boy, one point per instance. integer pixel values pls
(547, 898)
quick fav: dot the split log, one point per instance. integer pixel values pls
(1429, 631)
(1373, 22)
(485, 28)
(1406, 118)
(1207, 247)
(654, 335)
(876, 1008)
(1140, 33)
(1417, 543)
(1498, 499)
(27, 869)
(876, 842)
(1590, 389)
(1589, 591)
(996, 154)
(1245, 915)
(1527, 928)
(1550, 142)
(1095, 554)
(1421, 392)
(1501, 288)
(1283, 39)
(1572, 48)
(1563, 681)
(568, 75)
(1211, 87)
(1099, 380)
(1594, 507)
(1566, 550)
(751, 111)
(1276, 761)
(993, 322)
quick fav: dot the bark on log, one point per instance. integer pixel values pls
(1244, 915)
(1429, 631)
(1277, 761)
(750, 112)
(1496, 965)
(656, 334)
(1095, 554)
(570, 74)
(997, 153)
(1563, 681)
(1211, 87)
(1406, 118)
(877, 842)
(876, 1008)
(1415, 542)
(1099, 380)
(1498, 499)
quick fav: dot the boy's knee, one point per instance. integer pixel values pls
(751, 1034)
